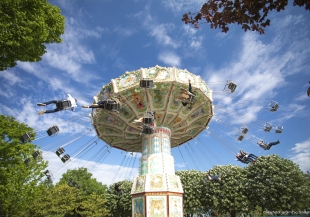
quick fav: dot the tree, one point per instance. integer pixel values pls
(193, 183)
(229, 194)
(25, 27)
(64, 200)
(119, 199)
(250, 14)
(84, 181)
(276, 183)
(19, 181)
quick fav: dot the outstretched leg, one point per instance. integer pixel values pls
(48, 102)
(48, 111)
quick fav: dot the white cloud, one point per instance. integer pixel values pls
(302, 155)
(170, 59)
(124, 31)
(260, 70)
(104, 173)
(160, 32)
(11, 78)
(183, 6)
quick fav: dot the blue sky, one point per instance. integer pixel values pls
(104, 39)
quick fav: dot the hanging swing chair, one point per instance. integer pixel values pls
(60, 151)
(63, 105)
(148, 118)
(36, 154)
(146, 83)
(278, 129)
(273, 106)
(113, 105)
(25, 138)
(230, 87)
(53, 130)
(267, 127)
(65, 158)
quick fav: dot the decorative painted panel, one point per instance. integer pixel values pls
(158, 73)
(156, 182)
(156, 206)
(175, 206)
(139, 184)
(173, 181)
(155, 165)
(138, 207)
(159, 94)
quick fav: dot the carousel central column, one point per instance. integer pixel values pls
(157, 191)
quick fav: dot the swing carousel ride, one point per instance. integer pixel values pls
(153, 96)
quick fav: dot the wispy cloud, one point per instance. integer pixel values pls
(160, 32)
(182, 6)
(170, 59)
(260, 70)
(104, 173)
(301, 155)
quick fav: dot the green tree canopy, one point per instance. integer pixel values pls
(227, 195)
(63, 200)
(25, 27)
(277, 184)
(119, 199)
(193, 183)
(19, 182)
(84, 180)
(250, 14)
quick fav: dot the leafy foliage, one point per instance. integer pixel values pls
(84, 181)
(250, 14)
(193, 183)
(276, 183)
(119, 199)
(227, 195)
(63, 200)
(18, 181)
(25, 27)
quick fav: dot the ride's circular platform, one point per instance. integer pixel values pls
(184, 122)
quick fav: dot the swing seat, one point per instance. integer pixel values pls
(146, 83)
(278, 129)
(60, 151)
(25, 138)
(148, 120)
(245, 130)
(52, 130)
(267, 127)
(113, 105)
(230, 87)
(148, 130)
(273, 106)
(63, 105)
(240, 138)
(27, 161)
(65, 158)
(36, 154)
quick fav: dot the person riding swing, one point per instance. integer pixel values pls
(69, 103)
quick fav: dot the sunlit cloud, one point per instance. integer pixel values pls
(104, 173)
(301, 155)
(160, 32)
(170, 59)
